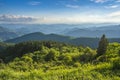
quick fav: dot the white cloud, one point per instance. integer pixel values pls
(72, 6)
(117, 0)
(113, 17)
(112, 6)
(16, 18)
(115, 14)
(34, 3)
(99, 1)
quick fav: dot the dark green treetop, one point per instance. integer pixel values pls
(102, 47)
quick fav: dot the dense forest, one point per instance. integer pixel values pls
(50, 60)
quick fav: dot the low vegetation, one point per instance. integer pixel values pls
(49, 60)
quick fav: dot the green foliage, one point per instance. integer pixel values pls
(88, 55)
(58, 61)
(102, 58)
(67, 59)
(116, 63)
(52, 55)
(27, 59)
(76, 64)
(102, 48)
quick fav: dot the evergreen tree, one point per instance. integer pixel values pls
(103, 43)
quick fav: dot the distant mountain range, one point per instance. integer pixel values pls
(91, 42)
(78, 30)
(93, 33)
(73, 34)
(6, 34)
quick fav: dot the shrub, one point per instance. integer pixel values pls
(67, 59)
(76, 64)
(116, 64)
(52, 55)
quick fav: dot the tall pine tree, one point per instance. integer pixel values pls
(103, 43)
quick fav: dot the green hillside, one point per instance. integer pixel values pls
(39, 36)
(47, 60)
(91, 42)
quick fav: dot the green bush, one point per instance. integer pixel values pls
(116, 64)
(76, 64)
(52, 55)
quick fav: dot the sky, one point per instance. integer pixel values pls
(59, 11)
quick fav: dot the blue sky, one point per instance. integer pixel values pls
(59, 11)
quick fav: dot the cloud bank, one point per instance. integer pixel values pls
(16, 19)
(113, 17)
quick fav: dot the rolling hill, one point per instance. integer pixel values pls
(78, 30)
(40, 36)
(91, 42)
(111, 31)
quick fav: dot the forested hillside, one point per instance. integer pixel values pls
(38, 36)
(48, 60)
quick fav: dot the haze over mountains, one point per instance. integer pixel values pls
(112, 31)
(78, 30)
(82, 34)
(7, 34)
(38, 36)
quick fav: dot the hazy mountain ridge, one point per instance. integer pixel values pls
(111, 31)
(93, 33)
(78, 30)
(7, 34)
(38, 36)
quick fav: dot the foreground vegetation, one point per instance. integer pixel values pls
(49, 60)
